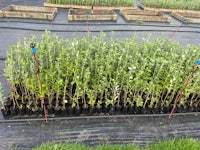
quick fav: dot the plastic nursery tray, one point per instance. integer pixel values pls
(91, 14)
(144, 15)
(188, 16)
(18, 11)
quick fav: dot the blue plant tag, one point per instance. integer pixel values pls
(33, 50)
(87, 14)
(198, 62)
(183, 21)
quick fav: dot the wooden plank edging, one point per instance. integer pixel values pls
(66, 6)
(93, 14)
(181, 16)
(28, 12)
(144, 15)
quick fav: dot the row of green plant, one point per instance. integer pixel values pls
(173, 4)
(96, 70)
(110, 3)
(174, 144)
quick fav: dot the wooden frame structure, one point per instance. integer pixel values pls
(91, 14)
(188, 16)
(18, 11)
(144, 15)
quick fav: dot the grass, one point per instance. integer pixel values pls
(182, 144)
(174, 144)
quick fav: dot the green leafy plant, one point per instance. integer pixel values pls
(113, 3)
(95, 71)
(173, 4)
(1, 97)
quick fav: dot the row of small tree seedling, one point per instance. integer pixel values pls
(173, 4)
(111, 3)
(101, 70)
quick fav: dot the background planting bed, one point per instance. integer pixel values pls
(144, 15)
(170, 5)
(85, 7)
(189, 17)
(88, 4)
(91, 14)
(17, 11)
(167, 10)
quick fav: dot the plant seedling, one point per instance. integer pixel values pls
(139, 22)
(71, 68)
(185, 85)
(34, 50)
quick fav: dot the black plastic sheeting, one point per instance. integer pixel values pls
(5, 3)
(140, 130)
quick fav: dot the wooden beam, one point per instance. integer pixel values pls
(143, 15)
(66, 6)
(188, 17)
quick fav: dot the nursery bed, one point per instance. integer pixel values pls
(144, 15)
(167, 10)
(91, 14)
(85, 7)
(189, 17)
(28, 12)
